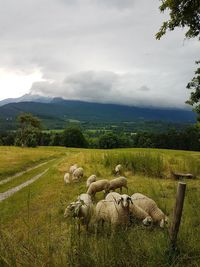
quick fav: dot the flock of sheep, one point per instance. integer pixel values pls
(116, 209)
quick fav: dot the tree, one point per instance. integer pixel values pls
(184, 13)
(73, 137)
(108, 140)
(29, 130)
(195, 86)
(55, 139)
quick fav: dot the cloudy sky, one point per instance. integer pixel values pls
(93, 50)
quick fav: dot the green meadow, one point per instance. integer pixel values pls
(33, 231)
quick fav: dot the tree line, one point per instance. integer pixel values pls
(30, 134)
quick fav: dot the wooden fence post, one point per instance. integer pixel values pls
(177, 213)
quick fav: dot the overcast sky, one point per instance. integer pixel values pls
(93, 50)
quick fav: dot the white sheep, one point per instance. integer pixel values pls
(73, 168)
(100, 185)
(113, 196)
(118, 183)
(67, 178)
(82, 209)
(150, 206)
(135, 210)
(140, 214)
(90, 180)
(77, 174)
(118, 169)
(116, 213)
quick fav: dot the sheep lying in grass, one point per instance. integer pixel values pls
(150, 206)
(77, 174)
(118, 183)
(140, 214)
(101, 185)
(82, 209)
(73, 168)
(67, 178)
(118, 169)
(116, 213)
(90, 180)
(135, 210)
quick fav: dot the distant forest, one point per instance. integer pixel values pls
(103, 135)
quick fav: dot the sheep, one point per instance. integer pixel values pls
(82, 209)
(118, 169)
(113, 196)
(150, 206)
(90, 180)
(135, 210)
(70, 210)
(140, 214)
(67, 178)
(118, 183)
(77, 174)
(73, 168)
(98, 186)
(114, 212)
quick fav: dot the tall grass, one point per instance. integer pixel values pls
(144, 163)
(152, 164)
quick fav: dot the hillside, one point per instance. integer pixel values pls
(56, 113)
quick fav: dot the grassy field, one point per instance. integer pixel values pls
(16, 159)
(33, 231)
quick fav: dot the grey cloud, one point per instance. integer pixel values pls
(112, 38)
(144, 88)
(121, 4)
(107, 87)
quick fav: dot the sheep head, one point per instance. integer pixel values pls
(147, 221)
(125, 201)
(73, 209)
(69, 210)
(164, 222)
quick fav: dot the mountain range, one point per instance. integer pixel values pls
(26, 98)
(55, 112)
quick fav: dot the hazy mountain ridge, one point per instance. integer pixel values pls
(26, 98)
(61, 110)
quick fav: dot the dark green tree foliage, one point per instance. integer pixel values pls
(195, 86)
(73, 137)
(45, 139)
(189, 139)
(7, 138)
(29, 130)
(56, 139)
(184, 14)
(108, 140)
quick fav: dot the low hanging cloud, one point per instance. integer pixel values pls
(109, 87)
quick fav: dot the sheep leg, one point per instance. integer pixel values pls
(79, 227)
(120, 190)
(126, 188)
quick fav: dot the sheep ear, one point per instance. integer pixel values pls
(130, 200)
(118, 201)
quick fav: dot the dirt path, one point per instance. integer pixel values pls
(23, 172)
(12, 191)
